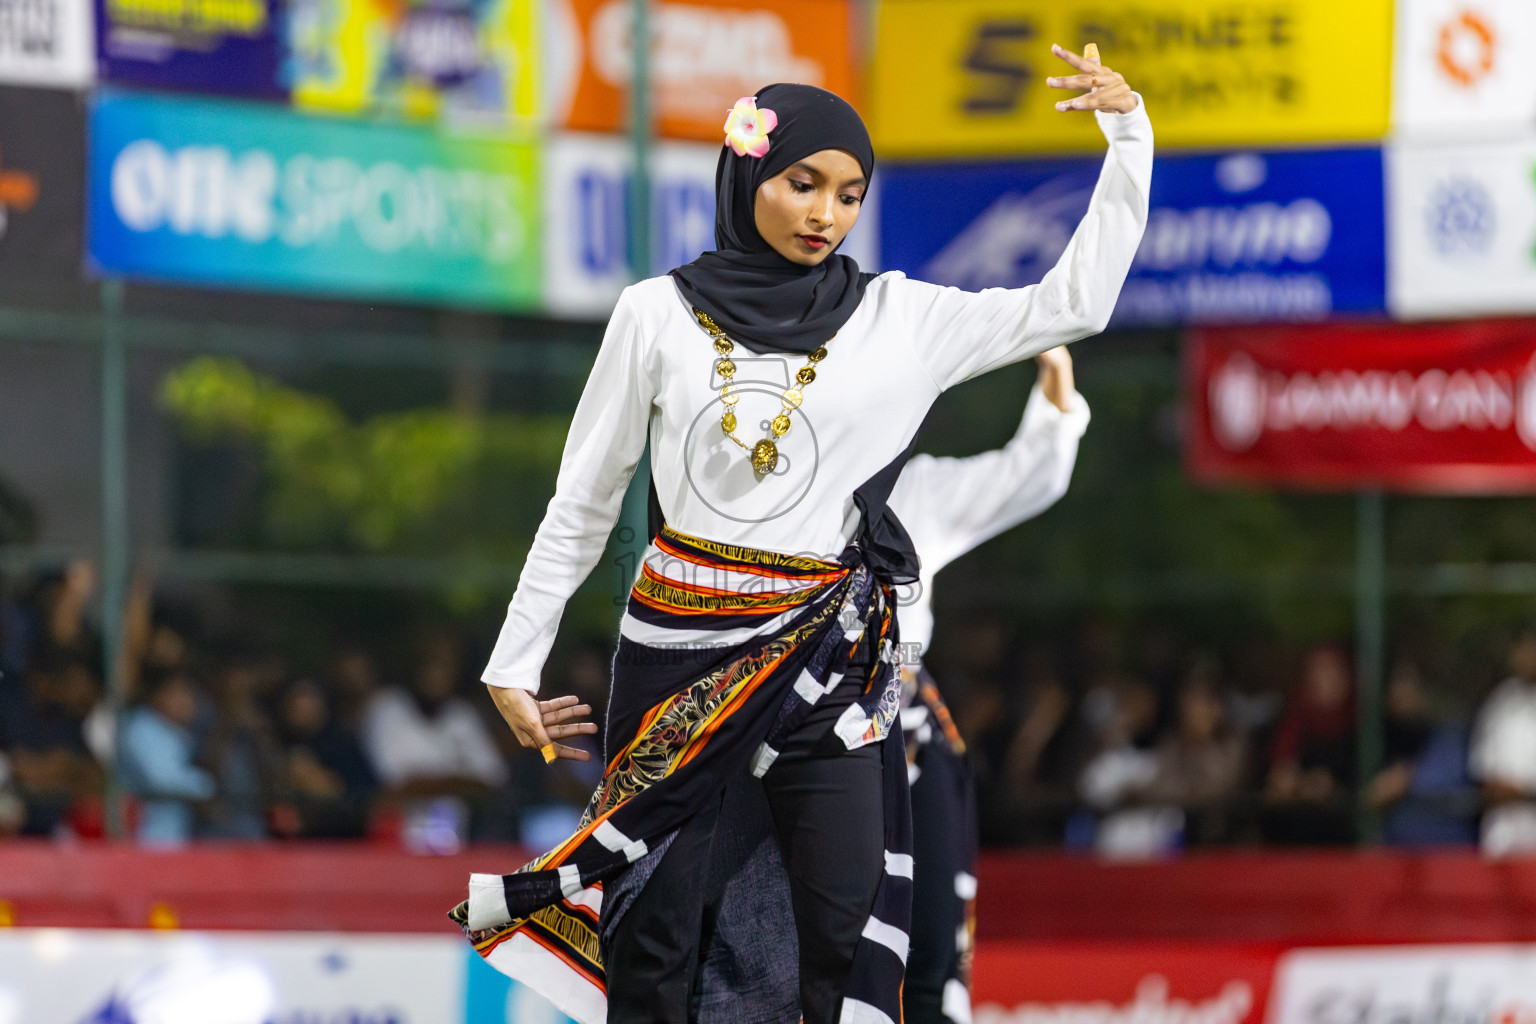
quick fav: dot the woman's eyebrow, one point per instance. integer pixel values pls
(814, 172)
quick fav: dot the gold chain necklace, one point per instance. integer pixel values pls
(765, 453)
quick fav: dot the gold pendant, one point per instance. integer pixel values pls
(765, 456)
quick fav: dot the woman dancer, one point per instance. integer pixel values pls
(754, 783)
(949, 507)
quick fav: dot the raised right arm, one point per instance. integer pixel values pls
(959, 335)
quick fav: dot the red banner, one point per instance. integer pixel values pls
(1040, 983)
(1429, 408)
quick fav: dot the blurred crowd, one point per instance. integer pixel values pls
(220, 742)
(1180, 754)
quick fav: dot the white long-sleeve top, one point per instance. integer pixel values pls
(950, 506)
(907, 342)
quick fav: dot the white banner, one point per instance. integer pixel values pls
(586, 233)
(586, 226)
(47, 42)
(1464, 67)
(83, 976)
(1461, 229)
(67, 976)
(1428, 984)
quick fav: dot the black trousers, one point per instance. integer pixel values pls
(828, 817)
(944, 849)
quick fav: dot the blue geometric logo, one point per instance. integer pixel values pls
(1461, 217)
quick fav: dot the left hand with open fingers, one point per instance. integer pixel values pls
(562, 718)
(538, 723)
(1106, 89)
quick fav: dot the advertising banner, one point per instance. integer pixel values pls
(47, 42)
(1039, 983)
(230, 47)
(61, 976)
(968, 76)
(705, 55)
(1462, 222)
(1424, 408)
(1464, 67)
(586, 216)
(1496, 984)
(42, 182)
(70, 976)
(473, 61)
(242, 196)
(1243, 237)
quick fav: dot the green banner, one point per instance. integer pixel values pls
(245, 196)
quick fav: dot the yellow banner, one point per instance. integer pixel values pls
(954, 77)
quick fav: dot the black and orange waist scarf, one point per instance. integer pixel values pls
(723, 651)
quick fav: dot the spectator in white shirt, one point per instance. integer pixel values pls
(1503, 755)
(431, 750)
(427, 740)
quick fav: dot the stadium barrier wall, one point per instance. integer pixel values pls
(321, 934)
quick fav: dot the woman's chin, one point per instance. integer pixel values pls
(806, 258)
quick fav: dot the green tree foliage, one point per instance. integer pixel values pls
(418, 482)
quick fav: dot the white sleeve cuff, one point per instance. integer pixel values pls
(510, 681)
(1075, 419)
(1041, 414)
(1121, 126)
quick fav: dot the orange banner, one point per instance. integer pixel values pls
(705, 54)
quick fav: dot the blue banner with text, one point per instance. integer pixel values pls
(1232, 238)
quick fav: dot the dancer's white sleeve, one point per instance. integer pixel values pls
(606, 439)
(960, 334)
(951, 505)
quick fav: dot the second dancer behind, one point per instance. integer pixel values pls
(780, 389)
(950, 506)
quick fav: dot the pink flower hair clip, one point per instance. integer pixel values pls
(747, 128)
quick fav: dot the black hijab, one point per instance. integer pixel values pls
(759, 298)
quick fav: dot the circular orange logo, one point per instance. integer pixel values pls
(1466, 49)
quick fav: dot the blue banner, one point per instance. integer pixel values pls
(230, 47)
(1232, 238)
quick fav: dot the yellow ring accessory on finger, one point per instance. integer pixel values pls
(548, 750)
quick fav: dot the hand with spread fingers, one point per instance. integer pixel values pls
(537, 724)
(1106, 89)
